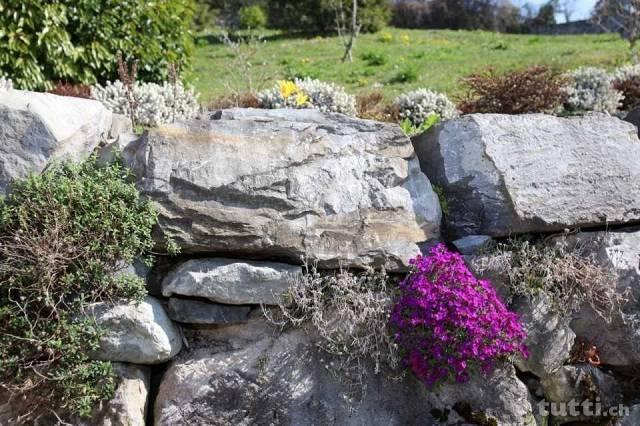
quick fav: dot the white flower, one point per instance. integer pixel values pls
(590, 89)
(418, 105)
(156, 104)
(627, 72)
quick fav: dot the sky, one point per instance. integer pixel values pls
(583, 8)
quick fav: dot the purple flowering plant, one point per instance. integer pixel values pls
(449, 324)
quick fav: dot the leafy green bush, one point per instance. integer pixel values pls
(373, 58)
(77, 40)
(252, 17)
(406, 74)
(64, 237)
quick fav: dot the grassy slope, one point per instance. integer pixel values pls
(440, 58)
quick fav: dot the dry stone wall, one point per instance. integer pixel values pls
(247, 193)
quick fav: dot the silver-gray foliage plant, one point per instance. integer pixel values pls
(590, 89)
(569, 274)
(156, 104)
(419, 104)
(349, 314)
(323, 96)
(627, 72)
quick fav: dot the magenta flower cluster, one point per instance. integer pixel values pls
(450, 324)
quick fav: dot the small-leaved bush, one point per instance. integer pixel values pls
(308, 93)
(591, 89)
(65, 235)
(627, 81)
(568, 274)
(449, 324)
(155, 104)
(419, 105)
(348, 313)
(536, 89)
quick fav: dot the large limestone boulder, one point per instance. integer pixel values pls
(36, 128)
(509, 174)
(252, 375)
(618, 341)
(234, 282)
(280, 184)
(137, 333)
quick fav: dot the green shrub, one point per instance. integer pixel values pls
(373, 58)
(64, 237)
(406, 74)
(252, 17)
(77, 40)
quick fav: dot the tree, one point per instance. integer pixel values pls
(546, 15)
(622, 16)
(348, 27)
(318, 16)
(567, 8)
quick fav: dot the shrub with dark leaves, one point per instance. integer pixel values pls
(630, 88)
(63, 88)
(626, 80)
(536, 89)
(371, 106)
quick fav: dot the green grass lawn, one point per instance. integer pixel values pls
(436, 58)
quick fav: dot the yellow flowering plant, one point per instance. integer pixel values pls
(308, 93)
(287, 88)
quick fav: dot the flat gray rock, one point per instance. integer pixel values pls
(141, 334)
(471, 244)
(280, 184)
(231, 281)
(513, 174)
(197, 312)
(36, 128)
